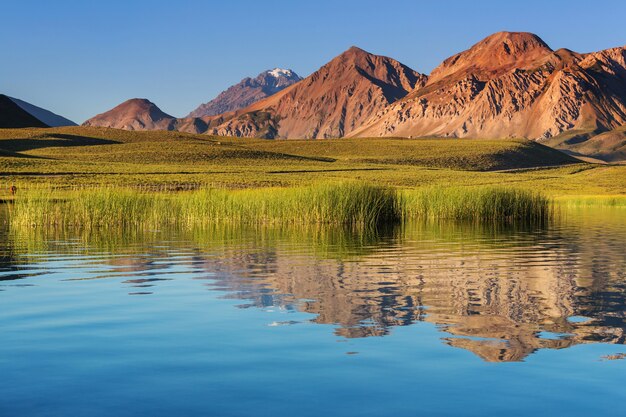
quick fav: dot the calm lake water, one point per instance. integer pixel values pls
(430, 319)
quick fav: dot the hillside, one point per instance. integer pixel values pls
(607, 146)
(89, 144)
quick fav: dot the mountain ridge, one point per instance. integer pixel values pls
(247, 91)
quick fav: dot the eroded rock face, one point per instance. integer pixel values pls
(332, 102)
(247, 92)
(511, 85)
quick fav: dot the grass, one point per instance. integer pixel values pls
(98, 156)
(348, 203)
(79, 157)
(345, 204)
(78, 146)
(480, 204)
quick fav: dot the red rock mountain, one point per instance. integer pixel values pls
(247, 92)
(134, 114)
(332, 102)
(512, 85)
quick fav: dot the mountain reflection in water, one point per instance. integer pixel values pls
(499, 292)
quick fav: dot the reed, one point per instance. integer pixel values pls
(344, 203)
(477, 204)
(348, 203)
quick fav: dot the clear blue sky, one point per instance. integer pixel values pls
(82, 57)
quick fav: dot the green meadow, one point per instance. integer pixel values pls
(95, 177)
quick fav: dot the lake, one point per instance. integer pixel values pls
(432, 318)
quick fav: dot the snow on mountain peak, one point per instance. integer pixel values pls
(277, 72)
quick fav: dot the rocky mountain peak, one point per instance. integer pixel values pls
(495, 54)
(248, 91)
(280, 72)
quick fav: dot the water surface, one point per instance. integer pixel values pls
(432, 319)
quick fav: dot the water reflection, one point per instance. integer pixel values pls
(501, 293)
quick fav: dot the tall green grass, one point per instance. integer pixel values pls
(352, 203)
(346, 204)
(477, 204)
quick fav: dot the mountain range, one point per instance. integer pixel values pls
(248, 91)
(332, 102)
(510, 84)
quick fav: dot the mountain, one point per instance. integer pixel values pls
(16, 113)
(13, 116)
(46, 116)
(247, 92)
(512, 84)
(134, 114)
(332, 102)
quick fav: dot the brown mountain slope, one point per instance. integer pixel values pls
(134, 114)
(512, 85)
(332, 102)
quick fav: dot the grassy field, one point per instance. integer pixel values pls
(83, 157)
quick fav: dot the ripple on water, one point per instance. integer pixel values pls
(428, 298)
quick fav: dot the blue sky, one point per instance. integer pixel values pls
(80, 58)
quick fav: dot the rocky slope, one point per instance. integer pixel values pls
(134, 114)
(512, 85)
(332, 102)
(247, 92)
